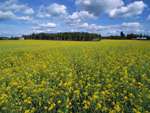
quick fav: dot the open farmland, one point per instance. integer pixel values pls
(63, 76)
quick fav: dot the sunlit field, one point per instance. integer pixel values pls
(109, 76)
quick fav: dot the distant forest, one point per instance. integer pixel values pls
(74, 36)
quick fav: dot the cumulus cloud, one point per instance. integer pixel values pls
(34, 27)
(72, 30)
(140, 31)
(76, 17)
(28, 20)
(29, 11)
(98, 7)
(112, 32)
(39, 31)
(82, 15)
(43, 15)
(73, 22)
(130, 10)
(83, 25)
(54, 11)
(130, 25)
(48, 25)
(25, 18)
(11, 5)
(137, 17)
(148, 18)
(94, 27)
(8, 15)
(49, 30)
(33, 21)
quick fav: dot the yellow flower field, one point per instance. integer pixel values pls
(109, 76)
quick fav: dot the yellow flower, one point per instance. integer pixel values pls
(27, 111)
(85, 93)
(99, 105)
(67, 106)
(117, 108)
(45, 107)
(3, 108)
(39, 103)
(59, 101)
(112, 111)
(85, 107)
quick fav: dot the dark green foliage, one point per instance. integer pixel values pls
(75, 36)
(122, 35)
(14, 38)
(4, 38)
(71, 36)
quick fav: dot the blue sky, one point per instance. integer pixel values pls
(106, 17)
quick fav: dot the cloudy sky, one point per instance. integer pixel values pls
(107, 17)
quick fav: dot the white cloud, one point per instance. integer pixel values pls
(54, 11)
(72, 30)
(148, 18)
(8, 15)
(76, 17)
(53, 31)
(58, 31)
(132, 9)
(119, 30)
(11, 5)
(39, 31)
(49, 30)
(112, 32)
(43, 15)
(48, 25)
(33, 21)
(81, 15)
(98, 7)
(73, 22)
(28, 20)
(40, 14)
(34, 27)
(25, 18)
(130, 25)
(87, 2)
(83, 25)
(94, 27)
(137, 17)
(29, 11)
(140, 31)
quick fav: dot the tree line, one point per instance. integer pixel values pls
(71, 36)
(12, 38)
(75, 36)
(128, 36)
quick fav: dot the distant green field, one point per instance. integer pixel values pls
(108, 76)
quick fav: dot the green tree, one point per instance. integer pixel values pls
(122, 35)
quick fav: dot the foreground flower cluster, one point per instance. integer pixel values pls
(53, 76)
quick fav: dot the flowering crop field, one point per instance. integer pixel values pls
(109, 76)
